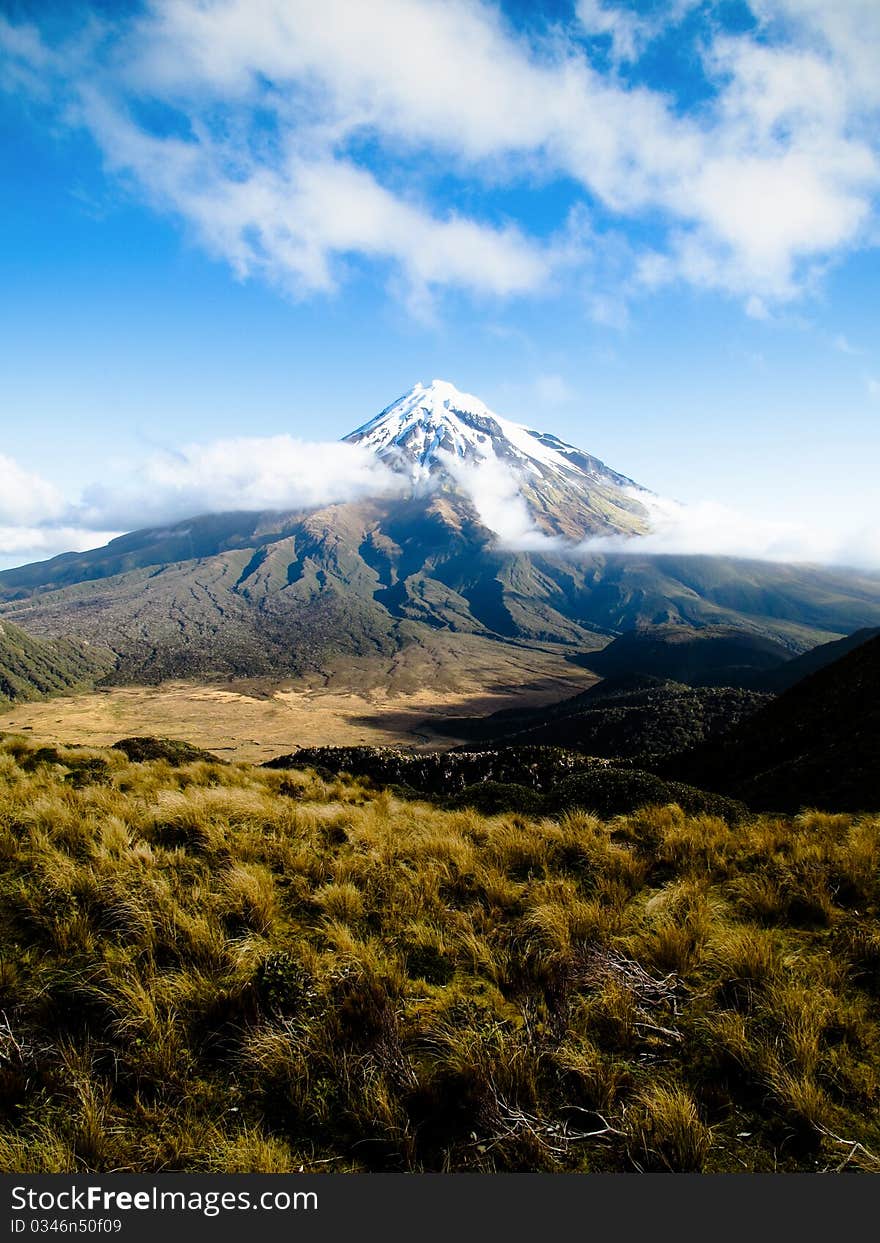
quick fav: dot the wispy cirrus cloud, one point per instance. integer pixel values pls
(296, 218)
(295, 139)
(844, 346)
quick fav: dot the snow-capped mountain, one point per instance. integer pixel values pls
(447, 580)
(443, 437)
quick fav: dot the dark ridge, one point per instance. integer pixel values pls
(529, 780)
(817, 745)
(704, 656)
(816, 658)
(628, 717)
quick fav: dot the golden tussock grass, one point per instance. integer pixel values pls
(224, 968)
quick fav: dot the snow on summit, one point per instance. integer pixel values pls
(428, 422)
(436, 432)
(433, 422)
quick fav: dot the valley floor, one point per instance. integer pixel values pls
(257, 719)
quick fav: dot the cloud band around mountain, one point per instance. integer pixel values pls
(284, 474)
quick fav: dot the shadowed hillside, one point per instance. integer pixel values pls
(708, 656)
(799, 667)
(626, 717)
(817, 745)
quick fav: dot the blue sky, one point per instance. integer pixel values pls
(650, 228)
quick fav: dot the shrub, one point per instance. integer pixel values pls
(490, 797)
(283, 985)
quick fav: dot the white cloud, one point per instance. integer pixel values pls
(756, 308)
(630, 32)
(35, 520)
(495, 493)
(846, 32)
(710, 527)
(271, 473)
(700, 529)
(282, 474)
(873, 386)
(703, 528)
(24, 496)
(20, 545)
(27, 61)
(552, 390)
(627, 32)
(274, 101)
(290, 221)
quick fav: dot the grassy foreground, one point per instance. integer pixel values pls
(223, 968)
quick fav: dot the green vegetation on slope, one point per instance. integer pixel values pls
(784, 676)
(227, 968)
(32, 668)
(707, 656)
(623, 717)
(818, 744)
(302, 593)
(545, 780)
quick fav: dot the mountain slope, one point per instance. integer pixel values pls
(786, 675)
(293, 593)
(33, 668)
(623, 717)
(241, 594)
(711, 656)
(817, 745)
(439, 436)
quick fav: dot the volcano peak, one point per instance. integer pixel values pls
(437, 432)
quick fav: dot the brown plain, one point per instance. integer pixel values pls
(257, 719)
